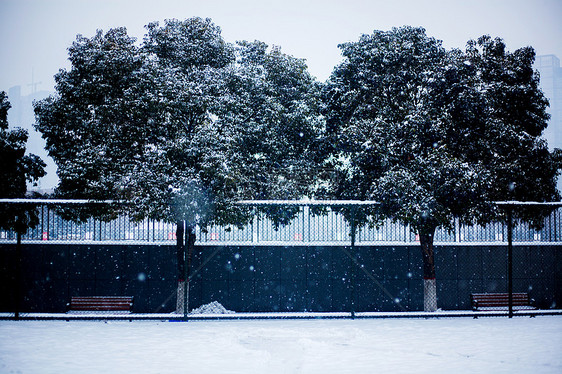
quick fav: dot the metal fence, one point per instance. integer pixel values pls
(307, 228)
(309, 264)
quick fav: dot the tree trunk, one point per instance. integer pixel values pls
(429, 284)
(184, 265)
(189, 253)
(180, 255)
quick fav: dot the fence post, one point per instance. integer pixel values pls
(457, 230)
(407, 234)
(18, 271)
(555, 224)
(510, 259)
(48, 223)
(189, 231)
(256, 231)
(43, 221)
(307, 239)
(353, 230)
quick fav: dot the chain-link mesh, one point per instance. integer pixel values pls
(308, 265)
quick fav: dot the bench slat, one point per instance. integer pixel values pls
(489, 300)
(101, 303)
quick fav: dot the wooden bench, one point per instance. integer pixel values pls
(500, 301)
(122, 304)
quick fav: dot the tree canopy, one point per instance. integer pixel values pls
(273, 105)
(182, 125)
(435, 134)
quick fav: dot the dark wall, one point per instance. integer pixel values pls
(383, 279)
(275, 278)
(51, 274)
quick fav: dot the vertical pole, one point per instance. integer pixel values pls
(43, 221)
(180, 257)
(190, 237)
(308, 225)
(185, 273)
(457, 230)
(257, 226)
(555, 224)
(48, 223)
(510, 259)
(18, 271)
(304, 233)
(407, 233)
(352, 261)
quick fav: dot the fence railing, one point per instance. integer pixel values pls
(307, 228)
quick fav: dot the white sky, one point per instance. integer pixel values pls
(37, 33)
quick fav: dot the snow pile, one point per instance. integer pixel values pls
(212, 308)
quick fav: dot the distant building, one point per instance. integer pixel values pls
(551, 84)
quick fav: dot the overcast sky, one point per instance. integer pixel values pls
(36, 33)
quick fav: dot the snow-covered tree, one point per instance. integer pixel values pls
(134, 123)
(93, 125)
(509, 117)
(435, 135)
(178, 126)
(16, 170)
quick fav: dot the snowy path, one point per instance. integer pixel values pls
(448, 345)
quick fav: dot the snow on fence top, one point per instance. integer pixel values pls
(56, 201)
(259, 202)
(330, 203)
(528, 203)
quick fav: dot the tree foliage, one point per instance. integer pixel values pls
(512, 117)
(183, 125)
(132, 122)
(273, 106)
(16, 170)
(436, 134)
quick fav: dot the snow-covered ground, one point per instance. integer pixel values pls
(444, 345)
